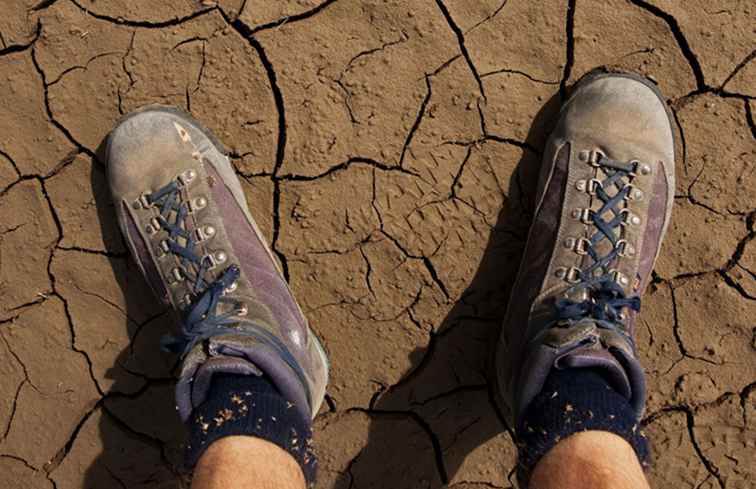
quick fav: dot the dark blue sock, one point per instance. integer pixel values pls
(571, 401)
(248, 405)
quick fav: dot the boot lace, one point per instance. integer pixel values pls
(605, 298)
(201, 317)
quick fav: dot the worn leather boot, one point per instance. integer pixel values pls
(604, 200)
(182, 211)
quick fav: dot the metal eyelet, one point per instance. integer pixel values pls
(581, 246)
(210, 260)
(176, 276)
(243, 310)
(593, 186)
(584, 155)
(220, 257)
(231, 288)
(205, 232)
(618, 277)
(570, 275)
(162, 249)
(581, 185)
(624, 248)
(629, 218)
(634, 193)
(143, 202)
(197, 204)
(153, 227)
(596, 157)
(584, 215)
(573, 275)
(569, 243)
(186, 177)
(642, 168)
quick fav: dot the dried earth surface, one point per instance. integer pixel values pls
(388, 149)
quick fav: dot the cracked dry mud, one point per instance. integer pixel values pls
(388, 150)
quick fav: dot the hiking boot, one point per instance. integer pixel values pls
(604, 200)
(183, 214)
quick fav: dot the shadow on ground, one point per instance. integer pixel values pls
(142, 435)
(435, 401)
(140, 431)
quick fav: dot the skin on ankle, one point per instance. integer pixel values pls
(245, 462)
(595, 459)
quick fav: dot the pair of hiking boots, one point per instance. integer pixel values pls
(604, 200)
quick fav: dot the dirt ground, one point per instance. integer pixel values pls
(388, 149)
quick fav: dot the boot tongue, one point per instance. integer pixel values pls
(601, 359)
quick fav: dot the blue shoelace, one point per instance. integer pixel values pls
(606, 298)
(201, 319)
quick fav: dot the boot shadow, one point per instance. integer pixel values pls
(447, 397)
(140, 431)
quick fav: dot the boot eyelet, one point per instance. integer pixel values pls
(243, 310)
(198, 204)
(585, 216)
(209, 262)
(596, 157)
(593, 186)
(177, 275)
(220, 257)
(619, 278)
(634, 193)
(569, 243)
(581, 246)
(624, 248)
(205, 232)
(573, 275)
(186, 177)
(231, 288)
(143, 202)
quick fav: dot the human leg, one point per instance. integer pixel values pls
(595, 459)
(245, 462)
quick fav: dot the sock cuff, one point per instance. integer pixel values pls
(244, 405)
(572, 401)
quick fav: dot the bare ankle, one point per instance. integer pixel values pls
(596, 459)
(245, 462)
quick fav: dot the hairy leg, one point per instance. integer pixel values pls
(595, 459)
(245, 462)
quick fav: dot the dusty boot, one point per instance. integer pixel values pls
(185, 219)
(604, 197)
